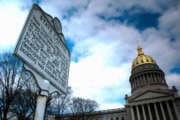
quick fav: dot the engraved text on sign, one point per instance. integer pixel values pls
(44, 50)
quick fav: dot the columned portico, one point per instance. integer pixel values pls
(159, 110)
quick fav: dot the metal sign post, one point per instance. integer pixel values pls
(41, 46)
(40, 106)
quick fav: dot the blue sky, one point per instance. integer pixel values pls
(102, 37)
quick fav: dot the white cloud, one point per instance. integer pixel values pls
(173, 79)
(159, 46)
(89, 78)
(106, 106)
(169, 21)
(105, 64)
(12, 20)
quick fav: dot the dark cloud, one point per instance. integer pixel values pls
(36, 1)
(65, 9)
(141, 20)
(175, 69)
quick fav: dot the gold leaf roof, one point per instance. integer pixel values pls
(142, 58)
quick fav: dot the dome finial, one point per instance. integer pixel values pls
(139, 43)
(142, 58)
(139, 48)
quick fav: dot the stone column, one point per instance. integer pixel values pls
(156, 77)
(138, 113)
(144, 79)
(149, 111)
(152, 77)
(156, 111)
(163, 113)
(159, 78)
(133, 83)
(144, 82)
(149, 76)
(132, 113)
(137, 82)
(140, 81)
(176, 112)
(169, 110)
(41, 106)
(144, 114)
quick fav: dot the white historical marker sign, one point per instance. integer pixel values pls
(41, 46)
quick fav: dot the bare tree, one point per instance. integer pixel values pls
(10, 72)
(80, 107)
(18, 89)
(23, 106)
(60, 103)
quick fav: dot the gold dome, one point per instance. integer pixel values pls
(142, 58)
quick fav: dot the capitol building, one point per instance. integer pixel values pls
(151, 98)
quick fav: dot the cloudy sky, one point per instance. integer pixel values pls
(102, 37)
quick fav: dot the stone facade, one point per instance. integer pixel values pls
(111, 114)
(151, 98)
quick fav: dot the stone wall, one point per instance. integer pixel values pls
(112, 114)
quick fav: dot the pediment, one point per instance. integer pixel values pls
(150, 95)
